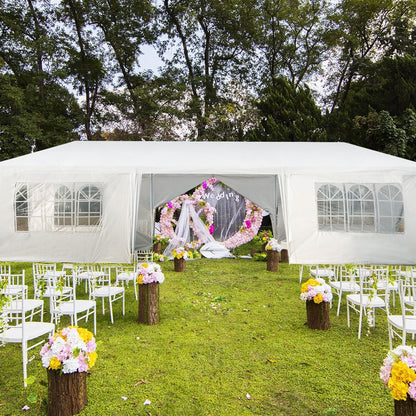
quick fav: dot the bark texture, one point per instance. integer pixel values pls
(179, 265)
(67, 393)
(149, 304)
(405, 407)
(272, 261)
(317, 315)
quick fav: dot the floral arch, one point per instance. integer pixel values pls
(246, 232)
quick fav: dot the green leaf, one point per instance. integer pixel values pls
(32, 398)
(30, 380)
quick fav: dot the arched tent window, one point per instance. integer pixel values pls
(64, 207)
(22, 208)
(361, 209)
(390, 209)
(331, 207)
(89, 206)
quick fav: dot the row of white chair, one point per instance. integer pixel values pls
(369, 288)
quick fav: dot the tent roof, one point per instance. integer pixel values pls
(210, 157)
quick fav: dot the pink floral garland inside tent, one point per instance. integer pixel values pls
(247, 231)
(167, 221)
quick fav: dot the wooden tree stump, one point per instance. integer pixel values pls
(179, 265)
(272, 261)
(317, 315)
(157, 247)
(149, 304)
(284, 256)
(405, 407)
(67, 393)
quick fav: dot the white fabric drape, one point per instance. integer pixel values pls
(230, 210)
(183, 234)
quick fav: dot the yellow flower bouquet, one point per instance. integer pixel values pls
(70, 350)
(317, 290)
(398, 372)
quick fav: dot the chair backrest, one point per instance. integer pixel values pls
(99, 276)
(5, 269)
(407, 295)
(17, 317)
(143, 256)
(15, 288)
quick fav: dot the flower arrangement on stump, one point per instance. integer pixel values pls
(318, 295)
(179, 254)
(68, 355)
(149, 276)
(272, 250)
(158, 243)
(399, 376)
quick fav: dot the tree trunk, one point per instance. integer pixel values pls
(272, 261)
(405, 407)
(67, 393)
(149, 304)
(179, 265)
(317, 315)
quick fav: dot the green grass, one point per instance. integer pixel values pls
(228, 329)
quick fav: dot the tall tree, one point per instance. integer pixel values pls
(125, 26)
(287, 113)
(359, 30)
(291, 38)
(85, 57)
(39, 112)
(213, 36)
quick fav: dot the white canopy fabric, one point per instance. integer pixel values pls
(95, 201)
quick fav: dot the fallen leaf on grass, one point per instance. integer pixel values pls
(271, 360)
(124, 398)
(246, 310)
(282, 391)
(25, 408)
(141, 381)
(147, 402)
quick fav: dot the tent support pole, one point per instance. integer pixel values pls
(152, 207)
(276, 202)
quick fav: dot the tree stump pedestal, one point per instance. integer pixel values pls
(157, 247)
(284, 256)
(149, 304)
(179, 265)
(405, 407)
(67, 393)
(272, 261)
(317, 315)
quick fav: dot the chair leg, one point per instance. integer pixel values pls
(95, 320)
(124, 303)
(360, 323)
(390, 329)
(348, 314)
(24, 360)
(339, 302)
(111, 309)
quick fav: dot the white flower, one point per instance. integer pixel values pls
(146, 402)
(70, 365)
(58, 345)
(47, 358)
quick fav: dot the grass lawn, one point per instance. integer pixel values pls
(232, 340)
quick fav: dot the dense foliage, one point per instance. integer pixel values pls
(236, 70)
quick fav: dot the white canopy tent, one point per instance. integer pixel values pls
(95, 201)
